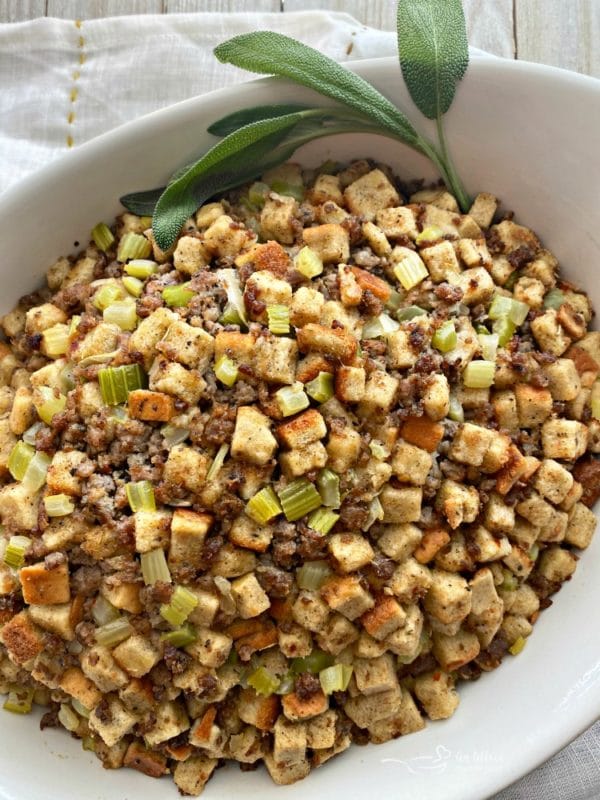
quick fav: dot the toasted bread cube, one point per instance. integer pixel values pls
(233, 561)
(534, 405)
(346, 596)
(249, 596)
(436, 398)
(306, 306)
(350, 384)
(56, 618)
(23, 413)
(505, 409)
(40, 318)
(369, 194)
(330, 213)
(101, 339)
(252, 438)
(556, 564)
(44, 586)
(474, 253)
(368, 647)
(337, 634)
(385, 617)
(581, 526)
(326, 187)
(441, 261)
(380, 394)
(483, 209)
(564, 439)
(190, 255)
(335, 342)
(364, 709)
(399, 541)
(530, 291)
(289, 740)
(238, 346)
(376, 239)
(277, 218)
(298, 708)
(458, 503)
(351, 551)
(295, 642)
(275, 359)
(172, 378)
(423, 433)
(553, 481)
(374, 675)
(190, 346)
(305, 459)
(343, 449)
(498, 516)
(188, 531)
(302, 430)
(151, 530)
(310, 611)
(401, 505)
(434, 540)
(284, 773)
(436, 693)
(62, 475)
(406, 720)
(410, 581)
(124, 595)
(477, 285)
(470, 444)
(208, 213)
(192, 775)
(211, 648)
(437, 197)
(564, 381)
(171, 720)
(149, 332)
(226, 237)
(100, 667)
(321, 730)
(22, 639)
(411, 464)
(331, 242)
(75, 683)
(395, 223)
(448, 598)
(247, 533)
(492, 546)
(536, 510)
(113, 725)
(266, 288)
(185, 468)
(453, 652)
(400, 354)
(257, 710)
(136, 655)
(150, 406)
(549, 334)
(246, 746)
(513, 236)
(574, 496)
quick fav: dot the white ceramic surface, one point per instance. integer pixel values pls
(527, 133)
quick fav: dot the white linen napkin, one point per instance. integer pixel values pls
(63, 83)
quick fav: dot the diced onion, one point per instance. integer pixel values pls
(217, 463)
(35, 476)
(379, 326)
(230, 280)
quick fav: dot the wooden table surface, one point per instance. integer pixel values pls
(563, 33)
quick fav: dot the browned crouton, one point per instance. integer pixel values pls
(44, 586)
(335, 342)
(21, 638)
(150, 406)
(298, 708)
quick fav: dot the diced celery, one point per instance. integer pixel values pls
(140, 496)
(68, 718)
(102, 236)
(445, 338)
(257, 193)
(375, 513)
(103, 612)
(263, 506)
(230, 316)
(122, 313)
(48, 402)
(322, 520)
(394, 301)
(19, 458)
(299, 498)
(429, 235)
(517, 646)
(505, 329)
(231, 283)
(263, 681)
(35, 477)
(154, 567)
(56, 340)
(315, 662)
(226, 370)
(335, 678)
(328, 484)
(456, 411)
(410, 271)
(479, 374)
(554, 299)
(133, 246)
(117, 382)
(500, 306)
(279, 319)
(489, 345)
(292, 399)
(107, 294)
(288, 189)
(183, 602)
(321, 387)
(381, 325)
(410, 312)
(134, 286)
(58, 505)
(19, 700)
(312, 575)
(30, 434)
(114, 632)
(182, 637)
(309, 263)
(177, 296)
(141, 268)
(16, 550)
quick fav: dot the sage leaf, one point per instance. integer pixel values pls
(231, 123)
(434, 51)
(270, 53)
(142, 203)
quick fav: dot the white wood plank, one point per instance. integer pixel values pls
(184, 6)
(19, 10)
(375, 13)
(93, 9)
(563, 33)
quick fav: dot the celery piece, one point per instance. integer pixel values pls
(429, 235)
(80, 708)
(299, 498)
(511, 280)
(479, 374)
(263, 681)
(517, 646)
(56, 340)
(140, 496)
(114, 632)
(315, 662)
(230, 316)
(231, 283)
(257, 194)
(554, 299)
(35, 477)
(534, 552)
(58, 505)
(394, 301)
(456, 411)
(279, 319)
(183, 602)
(445, 338)
(321, 387)
(500, 306)
(117, 382)
(177, 296)
(505, 329)
(226, 370)
(375, 513)
(19, 700)
(287, 683)
(322, 520)
(379, 326)
(30, 434)
(16, 550)
(518, 312)
(510, 582)
(134, 286)
(107, 294)
(263, 506)
(102, 236)
(410, 271)
(335, 678)
(154, 567)
(489, 345)
(181, 637)
(312, 575)
(122, 313)
(103, 612)
(328, 484)
(68, 718)
(141, 268)
(308, 262)
(173, 434)
(292, 399)
(217, 463)
(288, 189)
(410, 312)
(48, 402)
(133, 246)
(378, 450)
(19, 458)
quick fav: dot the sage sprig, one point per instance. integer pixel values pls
(433, 57)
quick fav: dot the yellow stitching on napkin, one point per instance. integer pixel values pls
(74, 93)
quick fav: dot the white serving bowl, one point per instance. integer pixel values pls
(524, 132)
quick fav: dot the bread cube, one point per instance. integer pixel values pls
(211, 648)
(441, 261)
(470, 444)
(457, 503)
(436, 693)
(564, 439)
(492, 546)
(399, 541)
(149, 332)
(453, 652)
(326, 187)
(191, 776)
(136, 655)
(113, 725)
(374, 675)
(350, 383)
(275, 359)
(564, 381)
(351, 551)
(172, 378)
(483, 209)
(476, 284)
(306, 306)
(395, 223)
(185, 468)
(21, 638)
(266, 288)
(556, 564)
(369, 194)
(346, 596)
(411, 464)
(553, 481)
(505, 409)
(549, 334)
(40, 318)
(75, 684)
(331, 242)
(305, 459)
(190, 255)
(410, 581)
(188, 531)
(190, 346)
(498, 516)
(55, 618)
(250, 598)
(384, 618)
(224, 237)
(335, 342)
(278, 217)
(400, 353)
(534, 405)
(252, 438)
(401, 505)
(448, 598)
(581, 526)
(100, 667)
(364, 709)
(337, 634)
(42, 585)
(343, 449)
(380, 394)
(151, 530)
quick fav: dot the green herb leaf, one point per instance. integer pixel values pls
(270, 53)
(231, 123)
(434, 52)
(142, 203)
